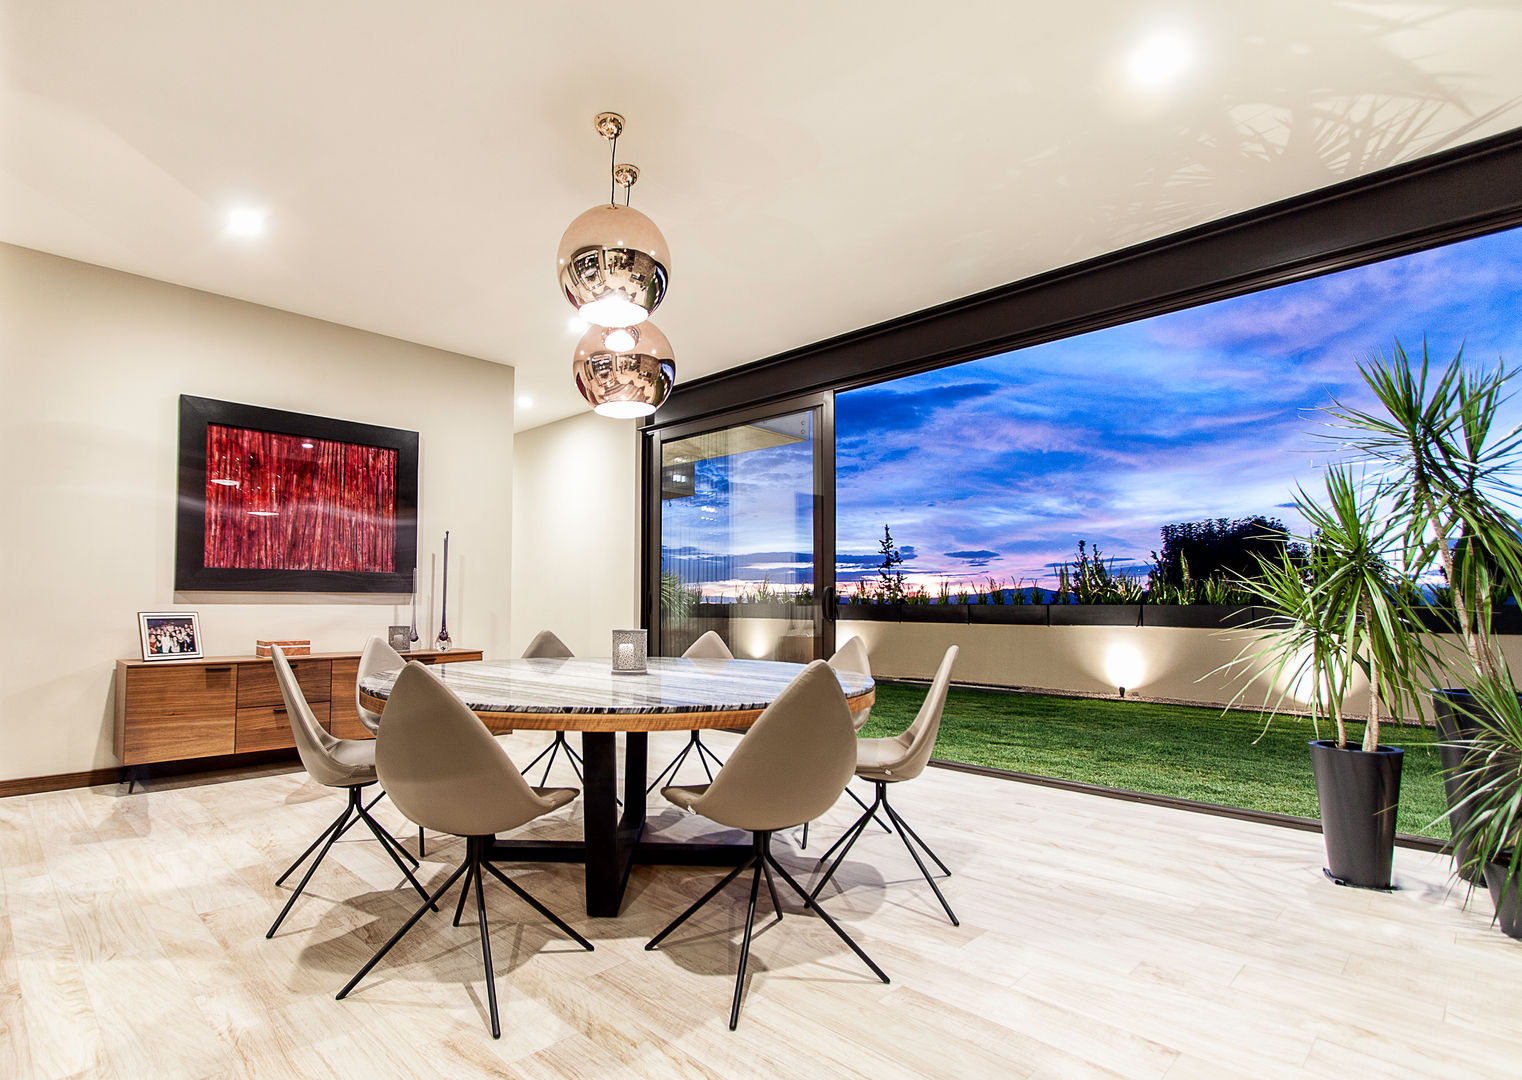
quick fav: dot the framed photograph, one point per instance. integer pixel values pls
(170, 635)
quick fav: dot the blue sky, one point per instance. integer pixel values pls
(1002, 465)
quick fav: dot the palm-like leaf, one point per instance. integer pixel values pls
(1451, 474)
(1491, 771)
(1345, 611)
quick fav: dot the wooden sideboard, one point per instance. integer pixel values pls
(172, 710)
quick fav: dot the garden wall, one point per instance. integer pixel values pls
(1178, 663)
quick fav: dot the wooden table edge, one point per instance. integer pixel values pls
(503, 722)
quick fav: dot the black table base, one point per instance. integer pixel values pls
(612, 843)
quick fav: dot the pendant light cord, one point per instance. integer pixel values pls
(612, 179)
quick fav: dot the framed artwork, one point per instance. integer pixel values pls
(275, 501)
(170, 635)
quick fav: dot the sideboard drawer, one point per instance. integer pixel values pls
(177, 711)
(258, 686)
(268, 727)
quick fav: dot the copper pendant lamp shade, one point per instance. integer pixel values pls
(624, 380)
(613, 265)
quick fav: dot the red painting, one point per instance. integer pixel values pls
(285, 502)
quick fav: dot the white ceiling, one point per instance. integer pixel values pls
(816, 167)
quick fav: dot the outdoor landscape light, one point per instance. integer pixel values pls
(629, 382)
(613, 262)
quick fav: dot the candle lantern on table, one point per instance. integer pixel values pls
(629, 652)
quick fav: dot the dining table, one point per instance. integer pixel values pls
(585, 695)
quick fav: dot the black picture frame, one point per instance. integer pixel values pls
(190, 572)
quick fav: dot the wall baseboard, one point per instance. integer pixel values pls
(32, 785)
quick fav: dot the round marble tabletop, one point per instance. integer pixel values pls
(583, 694)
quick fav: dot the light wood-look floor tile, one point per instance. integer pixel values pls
(1099, 938)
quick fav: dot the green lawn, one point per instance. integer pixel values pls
(1191, 753)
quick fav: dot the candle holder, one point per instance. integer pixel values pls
(400, 638)
(629, 652)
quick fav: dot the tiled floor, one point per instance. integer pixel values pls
(1098, 938)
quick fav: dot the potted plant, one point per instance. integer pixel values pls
(1489, 827)
(1450, 467)
(1336, 612)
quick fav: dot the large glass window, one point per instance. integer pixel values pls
(999, 467)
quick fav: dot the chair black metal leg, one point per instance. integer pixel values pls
(386, 840)
(709, 895)
(421, 850)
(548, 749)
(554, 753)
(459, 909)
(920, 863)
(336, 833)
(383, 834)
(896, 816)
(750, 922)
(676, 763)
(432, 901)
(804, 843)
(863, 805)
(845, 843)
(703, 749)
(379, 796)
(771, 887)
(523, 894)
(491, 974)
(831, 923)
(314, 845)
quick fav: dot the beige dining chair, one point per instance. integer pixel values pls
(852, 656)
(444, 770)
(335, 763)
(378, 655)
(891, 761)
(708, 647)
(789, 767)
(547, 646)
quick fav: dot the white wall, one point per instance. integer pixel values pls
(576, 532)
(92, 362)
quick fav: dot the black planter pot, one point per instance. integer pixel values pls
(872, 612)
(937, 613)
(1454, 711)
(1007, 614)
(1509, 913)
(1198, 616)
(1094, 614)
(1358, 791)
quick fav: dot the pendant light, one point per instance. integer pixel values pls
(613, 261)
(624, 372)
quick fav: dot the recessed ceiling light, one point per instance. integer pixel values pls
(246, 221)
(525, 402)
(306, 446)
(1160, 58)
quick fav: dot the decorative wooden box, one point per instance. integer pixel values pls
(291, 647)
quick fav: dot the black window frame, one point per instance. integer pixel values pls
(1445, 197)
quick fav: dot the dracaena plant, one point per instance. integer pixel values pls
(1340, 611)
(1452, 471)
(1489, 828)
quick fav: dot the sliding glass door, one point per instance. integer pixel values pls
(741, 540)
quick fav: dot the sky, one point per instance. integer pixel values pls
(998, 467)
